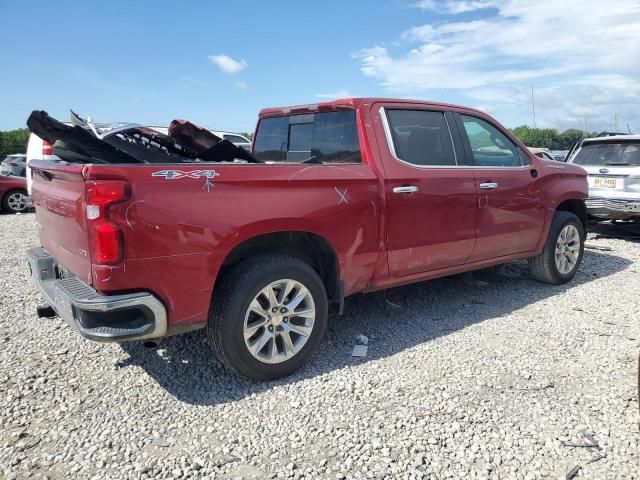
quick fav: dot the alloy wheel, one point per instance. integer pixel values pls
(279, 321)
(17, 202)
(567, 249)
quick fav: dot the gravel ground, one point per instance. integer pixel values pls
(511, 380)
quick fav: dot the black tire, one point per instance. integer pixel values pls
(231, 300)
(9, 206)
(543, 267)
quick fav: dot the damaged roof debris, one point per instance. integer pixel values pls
(84, 141)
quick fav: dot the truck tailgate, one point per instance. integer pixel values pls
(58, 194)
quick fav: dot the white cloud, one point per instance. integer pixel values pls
(582, 56)
(227, 64)
(242, 85)
(454, 6)
(189, 82)
(334, 95)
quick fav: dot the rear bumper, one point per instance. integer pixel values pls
(613, 208)
(103, 318)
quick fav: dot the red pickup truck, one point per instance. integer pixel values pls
(147, 235)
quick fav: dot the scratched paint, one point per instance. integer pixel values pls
(126, 213)
(344, 169)
(342, 195)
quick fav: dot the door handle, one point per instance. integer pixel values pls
(488, 185)
(407, 189)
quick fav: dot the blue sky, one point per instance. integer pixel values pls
(218, 63)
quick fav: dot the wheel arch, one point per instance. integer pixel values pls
(577, 207)
(309, 247)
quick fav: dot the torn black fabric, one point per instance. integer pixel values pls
(129, 142)
(192, 136)
(75, 139)
(209, 147)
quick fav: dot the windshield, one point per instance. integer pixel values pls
(625, 154)
(323, 137)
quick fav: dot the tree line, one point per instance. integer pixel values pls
(550, 137)
(13, 141)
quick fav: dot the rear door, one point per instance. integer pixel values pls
(511, 206)
(430, 195)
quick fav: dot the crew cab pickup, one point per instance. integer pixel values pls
(145, 235)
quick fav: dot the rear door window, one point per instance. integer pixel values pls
(322, 137)
(489, 146)
(421, 137)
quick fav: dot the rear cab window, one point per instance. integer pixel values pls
(323, 137)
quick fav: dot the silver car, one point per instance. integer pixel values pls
(15, 164)
(613, 165)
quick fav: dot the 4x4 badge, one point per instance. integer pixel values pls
(175, 174)
(208, 176)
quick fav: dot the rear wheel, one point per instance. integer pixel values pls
(562, 253)
(15, 201)
(268, 316)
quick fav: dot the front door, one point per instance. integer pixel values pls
(511, 207)
(430, 193)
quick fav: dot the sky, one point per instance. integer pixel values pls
(218, 63)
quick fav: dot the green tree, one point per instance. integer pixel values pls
(571, 136)
(13, 141)
(549, 137)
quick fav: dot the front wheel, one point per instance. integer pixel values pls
(15, 201)
(563, 250)
(268, 316)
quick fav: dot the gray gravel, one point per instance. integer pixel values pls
(510, 380)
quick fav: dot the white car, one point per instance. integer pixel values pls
(613, 165)
(235, 138)
(542, 153)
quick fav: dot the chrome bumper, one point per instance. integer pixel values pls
(103, 318)
(613, 207)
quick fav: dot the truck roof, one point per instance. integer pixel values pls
(351, 103)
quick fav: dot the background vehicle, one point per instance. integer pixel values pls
(542, 153)
(559, 155)
(235, 138)
(336, 198)
(15, 164)
(612, 134)
(613, 165)
(13, 193)
(37, 149)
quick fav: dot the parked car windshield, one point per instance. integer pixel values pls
(324, 137)
(626, 154)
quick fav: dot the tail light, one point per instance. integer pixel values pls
(46, 148)
(105, 237)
